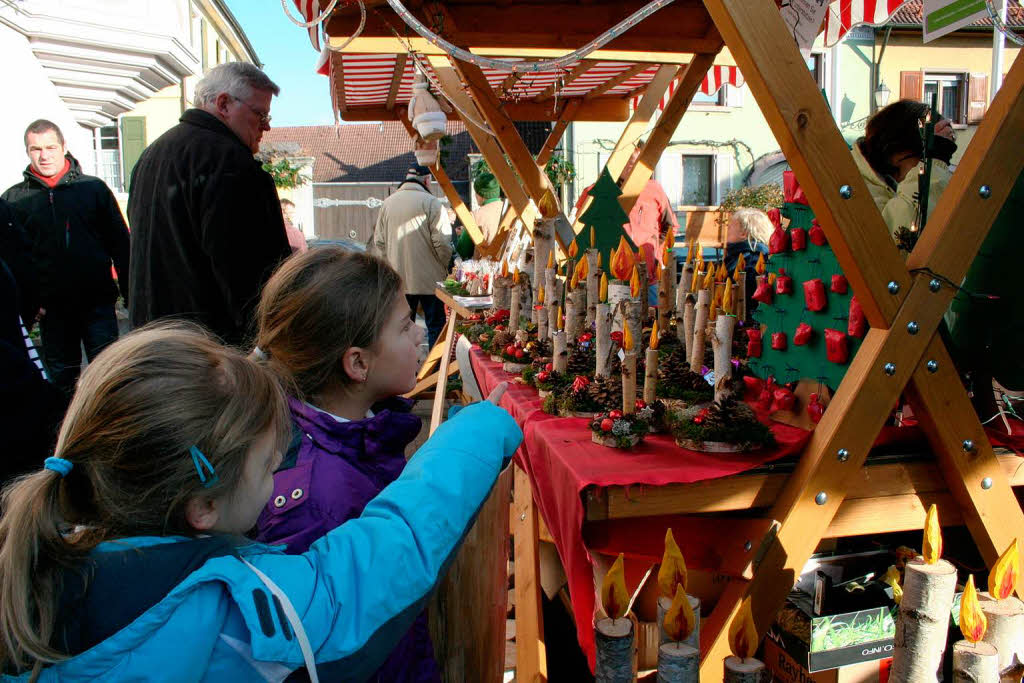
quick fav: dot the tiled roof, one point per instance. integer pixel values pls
(910, 15)
(379, 152)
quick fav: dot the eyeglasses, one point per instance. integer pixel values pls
(263, 116)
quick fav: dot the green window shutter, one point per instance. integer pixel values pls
(133, 141)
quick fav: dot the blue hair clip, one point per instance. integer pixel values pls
(200, 462)
(58, 465)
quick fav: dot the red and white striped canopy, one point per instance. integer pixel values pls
(843, 15)
(716, 77)
(310, 10)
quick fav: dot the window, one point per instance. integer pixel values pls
(717, 98)
(952, 95)
(218, 53)
(816, 65)
(107, 147)
(698, 175)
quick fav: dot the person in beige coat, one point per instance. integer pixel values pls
(414, 235)
(888, 157)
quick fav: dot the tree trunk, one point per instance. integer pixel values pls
(602, 339)
(678, 663)
(593, 285)
(1005, 628)
(749, 670)
(975, 662)
(923, 621)
(700, 324)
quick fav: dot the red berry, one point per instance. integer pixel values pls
(697, 419)
(641, 404)
(549, 367)
(519, 353)
(607, 424)
(615, 413)
(510, 349)
(543, 376)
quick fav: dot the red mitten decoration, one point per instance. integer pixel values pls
(837, 347)
(814, 294)
(783, 283)
(764, 400)
(857, 326)
(817, 234)
(802, 334)
(783, 399)
(763, 293)
(814, 409)
(779, 341)
(839, 284)
(752, 387)
(798, 239)
(792, 192)
(754, 344)
(775, 216)
(778, 243)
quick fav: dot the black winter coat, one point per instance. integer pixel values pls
(16, 251)
(76, 230)
(207, 229)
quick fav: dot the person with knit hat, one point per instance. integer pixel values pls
(487, 217)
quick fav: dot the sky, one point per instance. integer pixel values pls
(289, 59)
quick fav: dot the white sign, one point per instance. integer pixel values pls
(803, 19)
(945, 16)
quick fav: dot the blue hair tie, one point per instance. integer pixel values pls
(58, 465)
(200, 462)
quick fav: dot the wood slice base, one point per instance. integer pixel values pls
(497, 359)
(612, 441)
(749, 670)
(712, 446)
(514, 368)
(975, 662)
(544, 393)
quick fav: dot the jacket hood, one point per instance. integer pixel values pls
(73, 174)
(390, 430)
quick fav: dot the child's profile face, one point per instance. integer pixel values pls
(238, 511)
(395, 360)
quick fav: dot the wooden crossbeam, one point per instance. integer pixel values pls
(396, 81)
(600, 109)
(580, 69)
(616, 81)
(557, 131)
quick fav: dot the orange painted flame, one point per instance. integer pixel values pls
(655, 333)
(614, 597)
(627, 339)
(727, 302)
(658, 270)
(583, 267)
(1002, 580)
(721, 274)
(673, 567)
(760, 268)
(574, 249)
(593, 240)
(973, 621)
(560, 319)
(504, 268)
(680, 621)
(892, 577)
(700, 252)
(742, 634)
(709, 278)
(574, 281)
(741, 265)
(691, 253)
(600, 261)
(540, 295)
(696, 279)
(602, 295)
(551, 259)
(548, 205)
(634, 283)
(931, 546)
(622, 261)
(515, 276)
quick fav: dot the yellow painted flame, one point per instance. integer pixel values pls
(548, 205)
(551, 259)
(504, 268)
(680, 621)
(892, 577)
(742, 634)
(561, 319)
(593, 240)
(741, 265)
(1002, 580)
(658, 270)
(602, 295)
(540, 294)
(515, 276)
(584, 268)
(709, 279)
(574, 249)
(655, 333)
(614, 597)
(691, 254)
(760, 268)
(973, 621)
(931, 546)
(727, 302)
(600, 261)
(721, 274)
(575, 280)
(673, 567)
(627, 339)
(634, 283)
(622, 261)
(696, 279)
(700, 252)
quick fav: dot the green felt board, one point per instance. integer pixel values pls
(788, 310)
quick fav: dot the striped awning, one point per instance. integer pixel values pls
(716, 77)
(843, 15)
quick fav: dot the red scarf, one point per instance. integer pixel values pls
(52, 181)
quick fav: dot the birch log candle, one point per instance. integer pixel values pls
(576, 306)
(928, 587)
(641, 272)
(541, 315)
(543, 233)
(1003, 611)
(665, 301)
(739, 276)
(560, 361)
(603, 329)
(614, 634)
(974, 661)
(682, 296)
(701, 320)
(678, 662)
(501, 291)
(725, 326)
(632, 308)
(672, 574)
(743, 667)
(628, 371)
(515, 302)
(593, 272)
(651, 367)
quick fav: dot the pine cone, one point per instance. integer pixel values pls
(606, 392)
(501, 340)
(674, 371)
(582, 361)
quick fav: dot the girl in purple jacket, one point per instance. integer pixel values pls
(336, 327)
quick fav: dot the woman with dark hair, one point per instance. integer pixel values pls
(891, 149)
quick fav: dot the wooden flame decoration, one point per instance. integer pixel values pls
(698, 276)
(691, 254)
(583, 269)
(561, 318)
(655, 333)
(1002, 580)
(627, 339)
(700, 253)
(673, 567)
(603, 289)
(741, 266)
(614, 597)
(575, 280)
(931, 546)
(551, 259)
(622, 261)
(760, 268)
(504, 268)
(742, 634)
(973, 621)
(574, 249)
(680, 621)
(593, 240)
(548, 205)
(727, 302)
(540, 295)
(515, 276)
(709, 279)
(892, 577)
(721, 274)
(634, 283)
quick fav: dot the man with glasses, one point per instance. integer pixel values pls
(207, 229)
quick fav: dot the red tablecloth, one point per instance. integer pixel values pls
(561, 461)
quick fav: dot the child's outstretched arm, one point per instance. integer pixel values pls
(359, 588)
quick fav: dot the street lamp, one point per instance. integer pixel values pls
(882, 93)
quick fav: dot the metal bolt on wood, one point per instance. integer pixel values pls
(893, 287)
(986, 483)
(821, 498)
(845, 191)
(913, 327)
(984, 191)
(842, 455)
(934, 285)
(747, 546)
(933, 366)
(889, 369)
(968, 445)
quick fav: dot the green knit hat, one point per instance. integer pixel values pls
(486, 185)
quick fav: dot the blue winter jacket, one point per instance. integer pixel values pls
(357, 589)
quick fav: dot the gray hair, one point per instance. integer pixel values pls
(755, 224)
(237, 79)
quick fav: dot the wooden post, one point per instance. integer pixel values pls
(923, 620)
(1005, 628)
(700, 330)
(614, 642)
(975, 662)
(531, 657)
(678, 663)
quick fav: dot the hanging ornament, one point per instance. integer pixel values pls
(425, 112)
(783, 399)
(857, 326)
(754, 344)
(783, 283)
(798, 239)
(803, 334)
(779, 341)
(817, 235)
(778, 243)
(839, 284)
(752, 387)
(775, 216)
(837, 346)
(764, 399)
(814, 408)
(814, 294)
(763, 293)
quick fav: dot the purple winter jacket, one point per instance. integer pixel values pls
(331, 471)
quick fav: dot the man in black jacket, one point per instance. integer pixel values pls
(207, 229)
(77, 230)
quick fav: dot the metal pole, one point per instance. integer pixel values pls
(998, 41)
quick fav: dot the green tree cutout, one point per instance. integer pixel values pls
(606, 216)
(787, 311)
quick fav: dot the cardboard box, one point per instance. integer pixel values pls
(786, 669)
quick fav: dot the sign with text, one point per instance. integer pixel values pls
(803, 19)
(945, 16)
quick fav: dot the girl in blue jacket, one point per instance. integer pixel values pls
(124, 558)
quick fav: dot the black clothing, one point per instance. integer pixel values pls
(207, 229)
(16, 251)
(77, 230)
(66, 332)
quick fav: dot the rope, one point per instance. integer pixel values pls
(1000, 25)
(308, 24)
(520, 67)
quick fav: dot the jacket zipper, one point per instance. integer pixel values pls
(67, 223)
